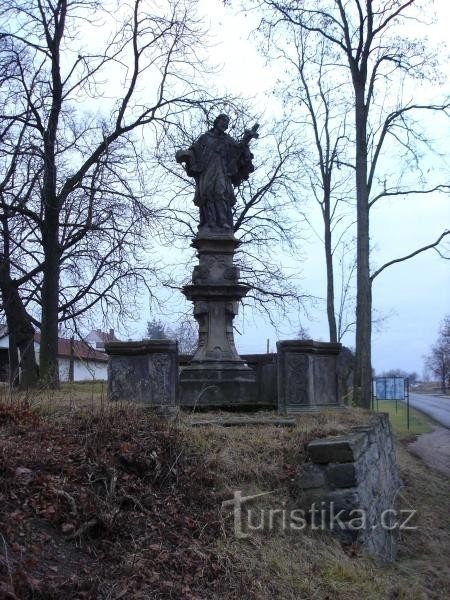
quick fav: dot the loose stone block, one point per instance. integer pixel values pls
(341, 475)
(337, 449)
(145, 372)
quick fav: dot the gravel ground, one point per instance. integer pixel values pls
(434, 449)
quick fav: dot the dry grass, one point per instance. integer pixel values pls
(111, 504)
(428, 387)
(312, 565)
(199, 468)
(309, 565)
(262, 457)
(89, 396)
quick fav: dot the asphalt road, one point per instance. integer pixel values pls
(437, 407)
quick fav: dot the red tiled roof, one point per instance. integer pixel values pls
(81, 349)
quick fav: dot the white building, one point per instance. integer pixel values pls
(97, 338)
(88, 364)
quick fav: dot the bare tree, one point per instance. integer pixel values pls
(263, 222)
(345, 312)
(379, 58)
(438, 362)
(77, 135)
(186, 334)
(13, 233)
(412, 377)
(316, 109)
(303, 333)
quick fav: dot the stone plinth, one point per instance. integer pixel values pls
(145, 372)
(307, 375)
(216, 375)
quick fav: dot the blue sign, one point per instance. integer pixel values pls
(390, 388)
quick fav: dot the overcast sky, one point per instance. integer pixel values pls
(411, 298)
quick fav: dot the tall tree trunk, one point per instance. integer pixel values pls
(72, 361)
(20, 327)
(48, 354)
(330, 275)
(363, 364)
(49, 371)
(13, 355)
(28, 366)
(21, 332)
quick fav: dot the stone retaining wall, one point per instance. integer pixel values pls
(355, 472)
(265, 367)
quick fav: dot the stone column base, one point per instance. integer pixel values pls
(217, 386)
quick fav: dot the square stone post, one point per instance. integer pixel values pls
(307, 376)
(145, 372)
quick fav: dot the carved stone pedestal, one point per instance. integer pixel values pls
(216, 375)
(145, 372)
(307, 376)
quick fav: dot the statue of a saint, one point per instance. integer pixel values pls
(218, 162)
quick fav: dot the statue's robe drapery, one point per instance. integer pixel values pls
(217, 162)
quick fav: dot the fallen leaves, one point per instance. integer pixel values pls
(110, 506)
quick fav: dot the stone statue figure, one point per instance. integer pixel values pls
(218, 163)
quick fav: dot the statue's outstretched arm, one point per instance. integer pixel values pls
(184, 156)
(187, 159)
(250, 134)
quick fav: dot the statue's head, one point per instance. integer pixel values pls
(221, 122)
